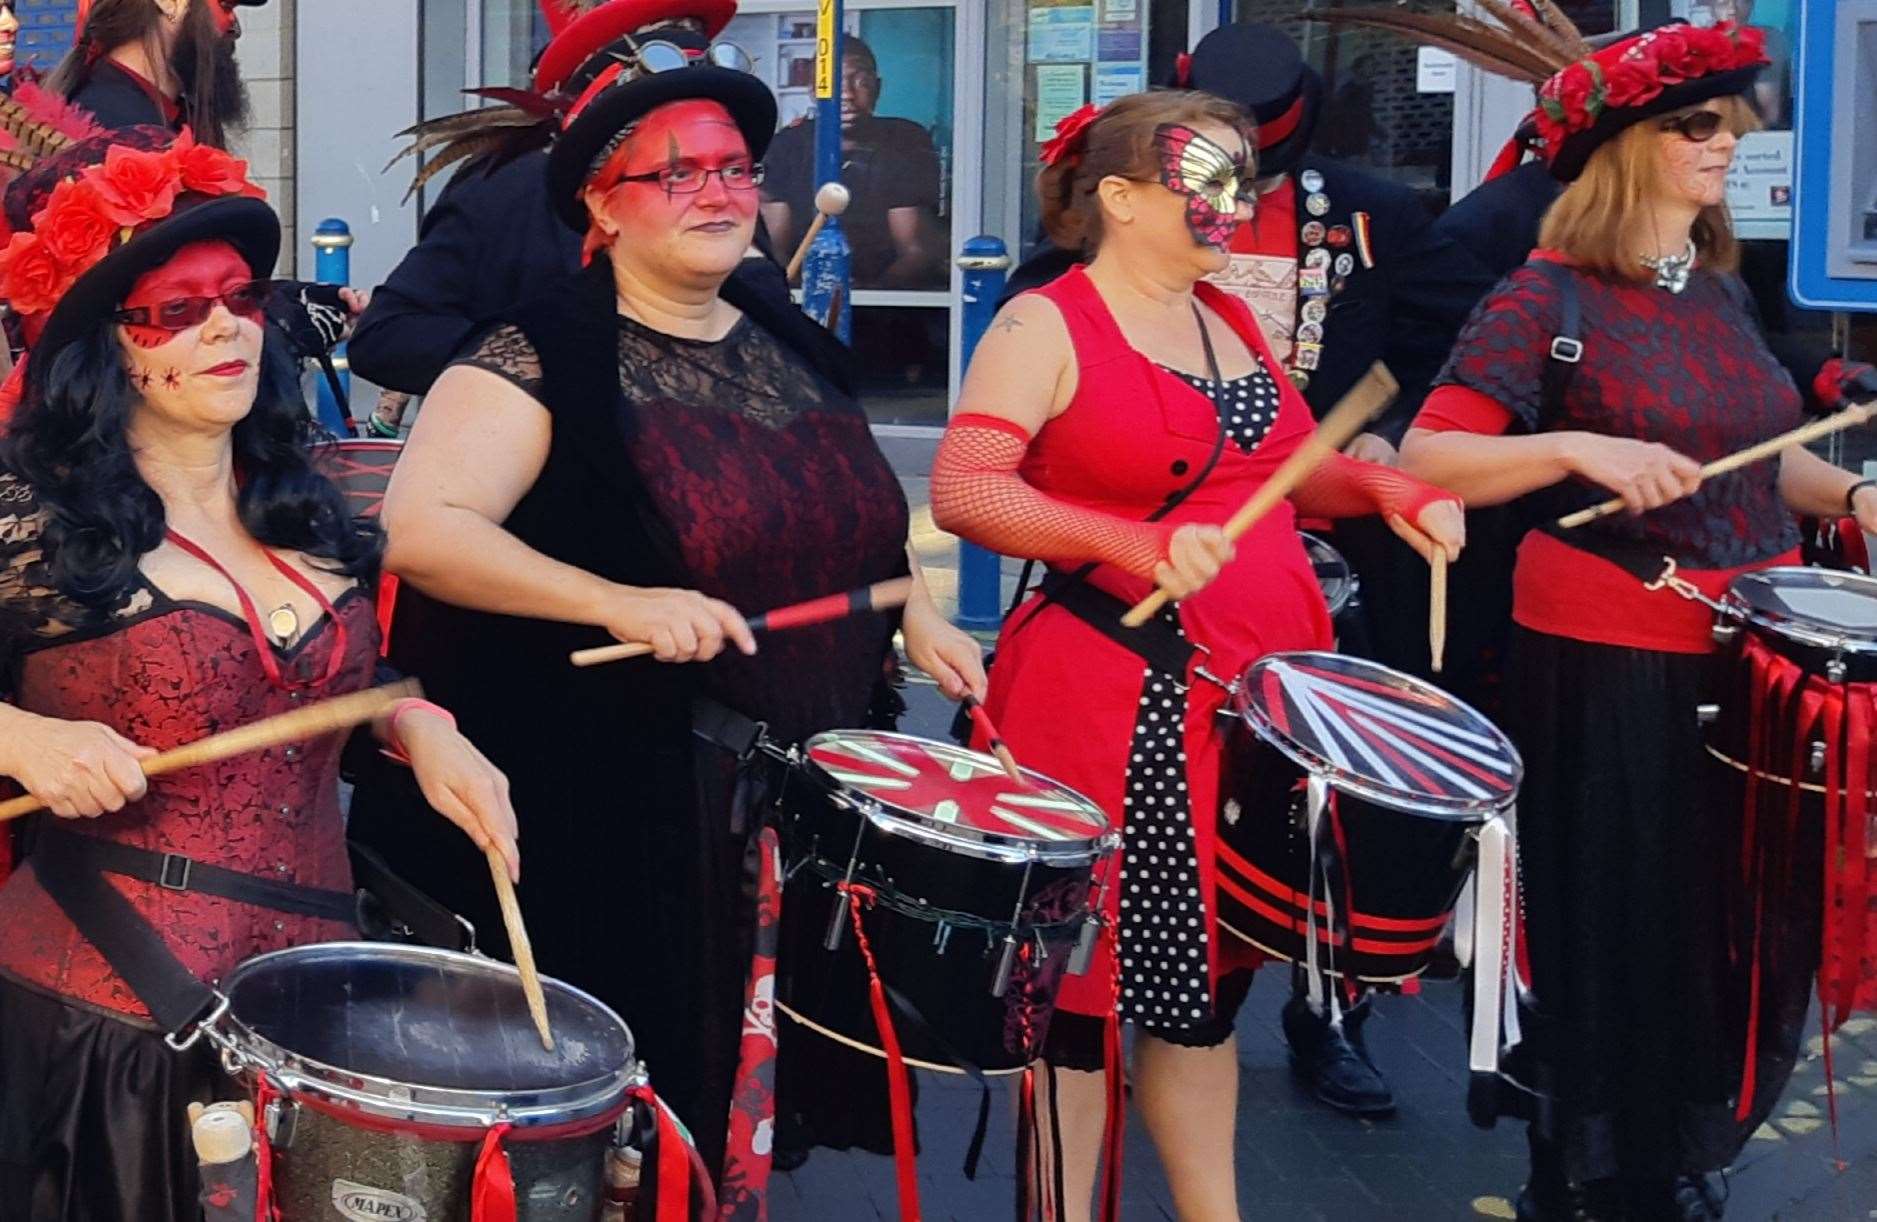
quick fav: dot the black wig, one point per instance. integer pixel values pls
(69, 439)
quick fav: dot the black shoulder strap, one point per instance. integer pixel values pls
(1567, 346)
(1054, 585)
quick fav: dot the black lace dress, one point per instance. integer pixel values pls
(738, 468)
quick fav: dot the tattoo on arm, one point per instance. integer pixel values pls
(1008, 323)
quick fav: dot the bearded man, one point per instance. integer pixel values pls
(170, 63)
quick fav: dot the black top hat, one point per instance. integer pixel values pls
(1258, 66)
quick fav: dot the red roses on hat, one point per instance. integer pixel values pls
(1635, 71)
(87, 216)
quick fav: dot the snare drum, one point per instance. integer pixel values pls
(384, 1069)
(1403, 777)
(1334, 576)
(980, 896)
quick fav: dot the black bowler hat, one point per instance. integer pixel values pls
(1258, 66)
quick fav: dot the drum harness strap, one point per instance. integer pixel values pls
(1156, 642)
(71, 866)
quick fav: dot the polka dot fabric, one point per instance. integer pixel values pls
(1249, 403)
(1165, 974)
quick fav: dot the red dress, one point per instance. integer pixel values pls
(1070, 701)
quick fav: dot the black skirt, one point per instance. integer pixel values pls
(93, 1115)
(1624, 844)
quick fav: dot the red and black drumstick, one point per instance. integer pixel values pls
(880, 596)
(992, 738)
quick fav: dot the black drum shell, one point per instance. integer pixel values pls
(946, 972)
(1403, 868)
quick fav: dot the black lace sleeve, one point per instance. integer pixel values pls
(29, 606)
(506, 353)
(1502, 350)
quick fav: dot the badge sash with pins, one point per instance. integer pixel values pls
(1315, 268)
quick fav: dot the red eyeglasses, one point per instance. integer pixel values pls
(180, 313)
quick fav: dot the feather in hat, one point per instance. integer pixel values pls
(1527, 40)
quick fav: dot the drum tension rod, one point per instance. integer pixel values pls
(1007, 957)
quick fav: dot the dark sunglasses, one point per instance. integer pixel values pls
(180, 313)
(1698, 127)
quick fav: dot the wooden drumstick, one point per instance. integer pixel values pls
(1437, 607)
(520, 946)
(880, 596)
(993, 739)
(831, 200)
(313, 721)
(1338, 429)
(1850, 417)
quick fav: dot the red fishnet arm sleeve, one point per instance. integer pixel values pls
(977, 493)
(1345, 488)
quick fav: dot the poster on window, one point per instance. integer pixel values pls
(895, 95)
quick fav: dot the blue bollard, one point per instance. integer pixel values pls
(332, 264)
(984, 261)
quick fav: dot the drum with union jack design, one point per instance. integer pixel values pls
(1389, 778)
(976, 896)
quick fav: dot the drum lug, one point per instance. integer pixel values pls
(1725, 632)
(1835, 670)
(1006, 963)
(1084, 953)
(837, 924)
(280, 1119)
(1707, 714)
(1816, 760)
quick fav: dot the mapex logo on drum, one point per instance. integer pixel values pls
(363, 1204)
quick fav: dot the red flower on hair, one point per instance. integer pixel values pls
(136, 186)
(31, 278)
(210, 171)
(1068, 138)
(75, 225)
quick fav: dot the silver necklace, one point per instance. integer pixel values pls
(1672, 271)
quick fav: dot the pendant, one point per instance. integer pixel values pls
(284, 622)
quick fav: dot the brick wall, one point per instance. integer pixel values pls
(267, 64)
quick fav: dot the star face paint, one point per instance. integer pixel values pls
(1213, 181)
(695, 144)
(202, 376)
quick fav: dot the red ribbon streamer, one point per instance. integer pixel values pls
(745, 1184)
(899, 1090)
(1114, 1125)
(492, 1185)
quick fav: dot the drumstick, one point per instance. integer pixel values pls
(993, 739)
(1848, 418)
(831, 200)
(880, 596)
(313, 721)
(1357, 408)
(520, 947)
(1437, 607)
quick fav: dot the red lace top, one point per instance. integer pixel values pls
(164, 673)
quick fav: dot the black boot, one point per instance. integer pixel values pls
(1548, 1196)
(1335, 1064)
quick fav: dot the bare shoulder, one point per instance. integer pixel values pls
(1028, 320)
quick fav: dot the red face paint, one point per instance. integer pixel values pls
(695, 134)
(201, 269)
(224, 14)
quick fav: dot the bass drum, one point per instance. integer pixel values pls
(976, 896)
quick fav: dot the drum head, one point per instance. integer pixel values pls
(962, 800)
(443, 1023)
(1333, 574)
(1380, 734)
(1821, 607)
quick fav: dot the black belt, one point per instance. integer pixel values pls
(174, 872)
(1156, 642)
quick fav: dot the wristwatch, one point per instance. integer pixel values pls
(1850, 494)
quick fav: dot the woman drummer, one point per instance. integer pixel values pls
(1622, 859)
(632, 456)
(170, 565)
(1108, 421)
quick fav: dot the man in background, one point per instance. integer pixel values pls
(165, 63)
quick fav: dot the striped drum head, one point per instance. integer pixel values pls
(942, 793)
(1380, 734)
